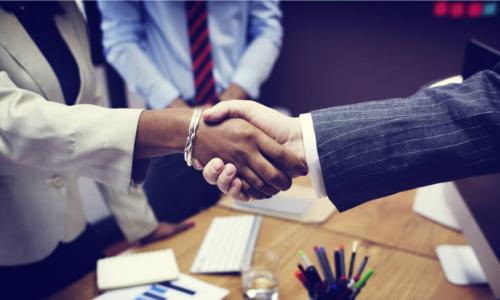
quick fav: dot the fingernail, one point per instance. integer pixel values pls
(218, 165)
(229, 172)
(197, 164)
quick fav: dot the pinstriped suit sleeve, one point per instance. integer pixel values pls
(374, 149)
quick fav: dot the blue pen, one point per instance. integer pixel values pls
(328, 270)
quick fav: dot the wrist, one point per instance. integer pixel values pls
(162, 131)
(296, 140)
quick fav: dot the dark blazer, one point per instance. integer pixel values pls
(374, 149)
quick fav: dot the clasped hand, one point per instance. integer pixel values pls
(258, 150)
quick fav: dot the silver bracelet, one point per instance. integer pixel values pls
(193, 126)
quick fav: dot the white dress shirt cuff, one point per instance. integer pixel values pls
(312, 157)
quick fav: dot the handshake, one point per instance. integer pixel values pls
(248, 150)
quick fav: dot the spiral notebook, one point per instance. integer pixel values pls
(136, 269)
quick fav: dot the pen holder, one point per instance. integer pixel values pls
(341, 282)
(337, 292)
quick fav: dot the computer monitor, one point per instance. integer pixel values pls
(478, 208)
(478, 57)
(478, 213)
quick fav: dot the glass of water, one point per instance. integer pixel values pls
(259, 276)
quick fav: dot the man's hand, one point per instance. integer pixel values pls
(264, 165)
(284, 130)
(166, 230)
(233, 92)
(257, 157)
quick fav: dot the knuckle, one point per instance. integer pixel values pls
(209, 176)
(240, 153)
(247, 132)
(259, 184)
(275, 178)
(285, 183)
(279, 152)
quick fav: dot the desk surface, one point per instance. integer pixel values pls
(400, 245)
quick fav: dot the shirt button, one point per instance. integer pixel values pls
(57, 181)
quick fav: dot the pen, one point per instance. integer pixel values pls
(361, 283)
(310, 270)
(338, 272)
(325, 267)
(361, 268)
(353, 258)
(301, 268)
(304, 257)
(304, 273)
(329, 274)
(320, 260)
(342, 260)
(302, 279)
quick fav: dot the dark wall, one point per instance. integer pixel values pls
(344, 52)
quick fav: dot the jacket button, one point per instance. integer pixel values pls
(57, 181)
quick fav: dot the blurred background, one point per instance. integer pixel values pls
(345, 52)
(337, 53)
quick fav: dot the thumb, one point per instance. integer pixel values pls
(287, 160)
(227, 109)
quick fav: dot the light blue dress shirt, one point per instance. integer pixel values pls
(147, 42)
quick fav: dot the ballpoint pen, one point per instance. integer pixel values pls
(325, 265)
(310, 270)
(361, 268)
(353, 259)
(342, 262)
(360, 284)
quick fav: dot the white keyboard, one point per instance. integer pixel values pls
(228, 245)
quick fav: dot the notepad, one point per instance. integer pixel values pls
(136, 269)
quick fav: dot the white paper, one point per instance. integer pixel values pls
(136, 269)
(202, 291)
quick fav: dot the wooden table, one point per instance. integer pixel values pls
(399, 242)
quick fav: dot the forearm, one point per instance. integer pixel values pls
(141, 74)
(123, 35)
(94, 142)
(161, 132)
(256, 65)
(266, 35)
(374, 149)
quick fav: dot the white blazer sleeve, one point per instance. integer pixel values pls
(89, 140)
(131, 211)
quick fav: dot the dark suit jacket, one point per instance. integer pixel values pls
(373, 149)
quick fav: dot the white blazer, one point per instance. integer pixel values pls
(46, 145)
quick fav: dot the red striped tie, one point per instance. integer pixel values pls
(201, 52)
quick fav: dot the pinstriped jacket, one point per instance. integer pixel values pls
(374, 149)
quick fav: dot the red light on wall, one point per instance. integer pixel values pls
(440, 9)
(457, 9)
(475, 10)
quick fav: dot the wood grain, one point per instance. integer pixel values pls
(399, 243)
